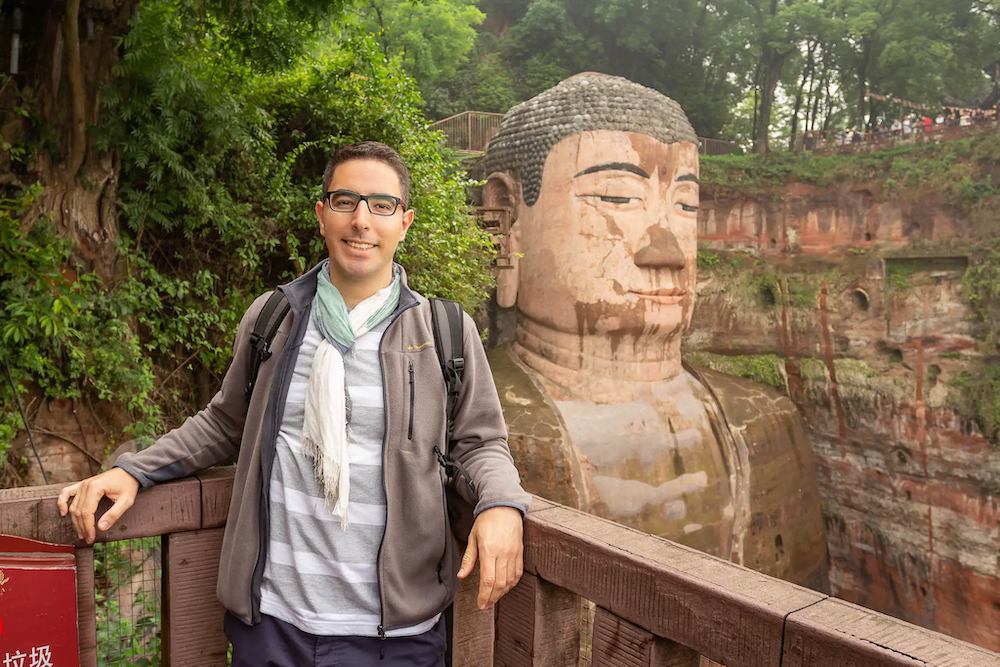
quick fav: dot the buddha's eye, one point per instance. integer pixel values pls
(688, 208)
(617, 200)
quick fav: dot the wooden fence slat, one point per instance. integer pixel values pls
(192, 616)
(216, 492)
(86, 606)
(165, 508)
(833, 632)
(725, 612)
(622, 644)
(537, 624)
(472, 627)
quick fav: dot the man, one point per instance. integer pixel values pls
(601, 177)
(337, 547)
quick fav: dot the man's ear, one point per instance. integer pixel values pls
(501, 191)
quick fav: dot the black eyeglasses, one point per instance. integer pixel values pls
(345, 201)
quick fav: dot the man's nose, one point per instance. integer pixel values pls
(362, 216)
(663, 251)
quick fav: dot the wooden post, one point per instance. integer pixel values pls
(618, 642)
(472, 627)
(538, 624)
(86, 606)
(192, 616)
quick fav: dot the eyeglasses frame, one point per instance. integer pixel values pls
(363, 198)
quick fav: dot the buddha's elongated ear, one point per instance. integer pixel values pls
(501, 191)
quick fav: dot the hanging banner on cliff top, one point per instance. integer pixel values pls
(38, 617)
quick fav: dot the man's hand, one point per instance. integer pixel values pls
(116, 484)
(496, 540)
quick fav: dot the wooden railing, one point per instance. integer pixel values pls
(715, 146)
(469, 131)
(657, 603)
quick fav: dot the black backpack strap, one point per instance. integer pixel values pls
(449, 341)
(264, 329)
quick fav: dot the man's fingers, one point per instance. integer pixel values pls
(83, 518)
(64, 497)
(114, 513)
(469, 558)
(84, 507)
(501, 584)
(487, 580)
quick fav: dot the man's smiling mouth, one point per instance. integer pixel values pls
(360, 245)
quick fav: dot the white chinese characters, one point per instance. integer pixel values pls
(40, 656)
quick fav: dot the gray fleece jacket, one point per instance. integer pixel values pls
(417, 536)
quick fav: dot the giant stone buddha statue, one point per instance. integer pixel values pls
(601, 177)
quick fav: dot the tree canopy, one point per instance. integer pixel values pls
(814, 59)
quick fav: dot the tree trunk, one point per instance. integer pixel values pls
(806, 75)
(68, 55)
(862, 72)
(772, 63)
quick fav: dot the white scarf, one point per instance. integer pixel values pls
(324, 431)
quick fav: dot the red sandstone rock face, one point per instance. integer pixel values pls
(822, 221)
(872, 350)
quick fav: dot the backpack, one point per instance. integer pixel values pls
(460, 489)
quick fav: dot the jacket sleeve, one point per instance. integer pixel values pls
(211, 436)
(479, 436)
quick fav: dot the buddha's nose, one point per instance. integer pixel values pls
(663, 251)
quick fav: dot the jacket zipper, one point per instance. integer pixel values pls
(447, 537)
(385, 439)
(267, 462)
(409, 431)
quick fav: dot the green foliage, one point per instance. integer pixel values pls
(764, 368)
(981, 282)
(721, 59)
(63, 333)
(431, 39)
(958, 171)
(802, 294)
(813, 370)
(708, 260)
(898, 274)
(980, 397)
(126, 637)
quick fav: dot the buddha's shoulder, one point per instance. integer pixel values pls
(525, 405)
(742, 400)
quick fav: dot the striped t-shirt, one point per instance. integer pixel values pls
(319, 577)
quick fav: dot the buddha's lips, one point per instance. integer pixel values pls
(668, 296)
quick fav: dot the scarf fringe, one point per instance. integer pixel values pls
(330, 480)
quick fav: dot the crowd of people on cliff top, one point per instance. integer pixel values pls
(899, 127)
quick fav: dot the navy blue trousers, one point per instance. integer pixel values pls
(274, 643)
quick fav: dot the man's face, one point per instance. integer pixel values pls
(610, 245)
(362, 244)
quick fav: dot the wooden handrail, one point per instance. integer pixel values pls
(726, 612)
(654, 598)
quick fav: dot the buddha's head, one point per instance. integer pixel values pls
(601, 176)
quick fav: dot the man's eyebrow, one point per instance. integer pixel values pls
(688, 177)
(615, 166)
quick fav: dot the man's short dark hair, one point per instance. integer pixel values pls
(370, 150)
(581, 103)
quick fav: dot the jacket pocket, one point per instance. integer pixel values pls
(409, 429)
